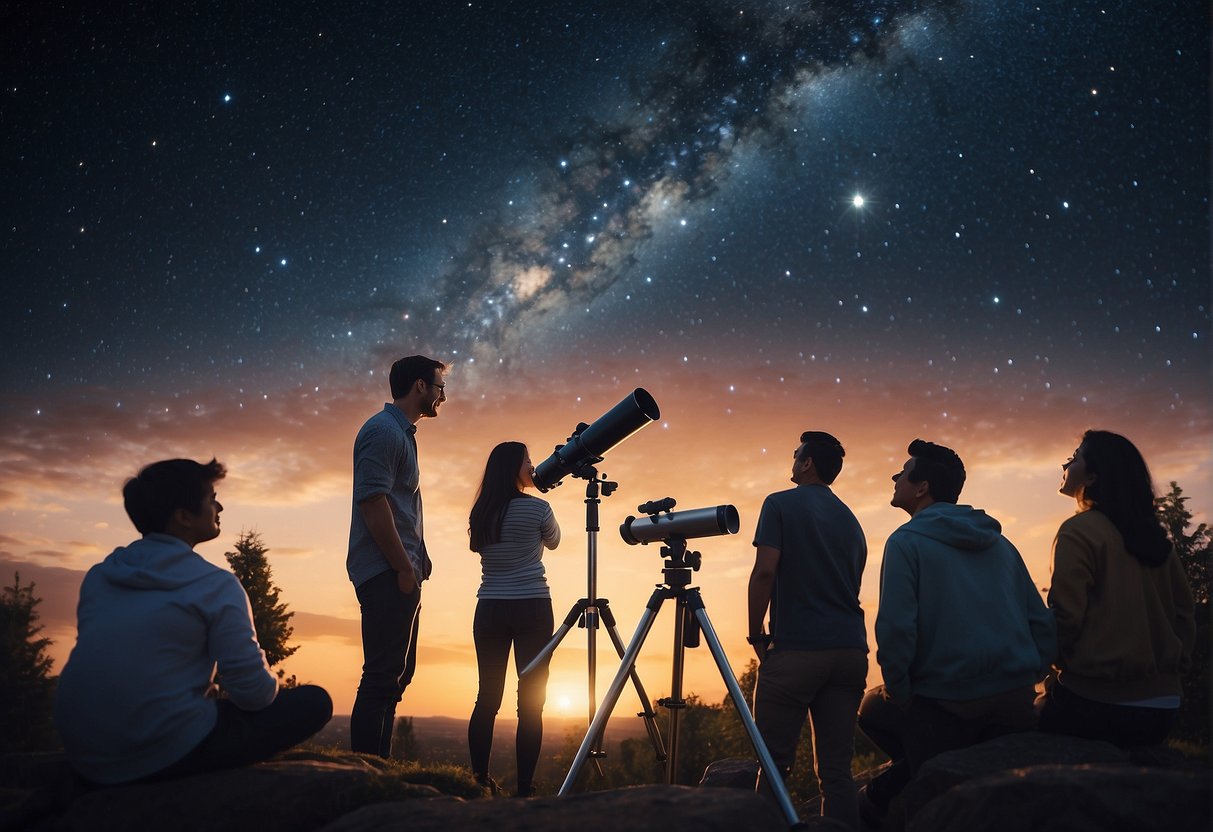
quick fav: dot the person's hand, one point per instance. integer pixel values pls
(761, 643)
(407, 582)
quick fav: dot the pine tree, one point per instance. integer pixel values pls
(404, 742)
(270, 616)
(1194, 548)
(1194, 551)
(26, 686)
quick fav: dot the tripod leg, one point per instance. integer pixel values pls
(648, 714)
(730, 682)
(626, 666)
(675, 703)
(569, 620)
(591, 655)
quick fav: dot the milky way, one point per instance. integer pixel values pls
(728, 77)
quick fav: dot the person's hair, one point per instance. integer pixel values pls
(151, 497)
(1124, 492)
(497, 488)
(825, 451)
(940, 467)
(407, 370)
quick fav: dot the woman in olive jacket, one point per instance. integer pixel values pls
(1124, 611)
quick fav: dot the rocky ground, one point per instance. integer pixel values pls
(1024, 782)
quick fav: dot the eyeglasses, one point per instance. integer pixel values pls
(441, 389)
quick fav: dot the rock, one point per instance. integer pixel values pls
(1014, 751)
(731, 773)
(295, 794)
(635, 809)
(33, 786)
(1022, 782)
(1081, 798)
(742, 773)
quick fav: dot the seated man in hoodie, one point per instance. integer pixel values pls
(962, 634)
(158, 627)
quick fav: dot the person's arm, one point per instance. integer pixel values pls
(232, 642)
(377, 514)
(762, 580)
(897, 621)
(1072, 580)
(550, 530)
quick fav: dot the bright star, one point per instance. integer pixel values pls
(857, 201)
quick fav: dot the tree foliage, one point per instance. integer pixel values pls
(270, 615)
(1194, 548)
(404, 740)
(26, 686)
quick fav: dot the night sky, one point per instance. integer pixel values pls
(984, 223)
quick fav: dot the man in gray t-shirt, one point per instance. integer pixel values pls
(387, 558)
(813, 661)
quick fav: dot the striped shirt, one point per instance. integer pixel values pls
(513, 566)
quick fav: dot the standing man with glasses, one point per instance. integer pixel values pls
(387, 558)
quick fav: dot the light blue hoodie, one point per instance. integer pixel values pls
(959, 615)
(154, 623)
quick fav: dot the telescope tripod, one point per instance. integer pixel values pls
(587, 613)
(692, 620)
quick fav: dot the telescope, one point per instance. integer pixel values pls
(590, 443)
(692, 523)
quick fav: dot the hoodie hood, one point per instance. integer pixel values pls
(156, 561)
(961, 527)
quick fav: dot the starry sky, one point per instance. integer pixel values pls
(981, 223)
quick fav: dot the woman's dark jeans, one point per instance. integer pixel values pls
(525, 624)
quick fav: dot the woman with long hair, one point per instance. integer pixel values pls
(1125, 621)
(509, 529)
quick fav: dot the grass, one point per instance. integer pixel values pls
(395, 779)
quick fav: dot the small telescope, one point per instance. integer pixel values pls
(589, 443)
(695, 522)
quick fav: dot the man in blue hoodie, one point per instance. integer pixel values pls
(962, 634)
(160, 631)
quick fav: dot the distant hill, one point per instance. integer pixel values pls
(439, 732)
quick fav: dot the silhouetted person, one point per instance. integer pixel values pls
(814, 660)
(157, 626)
(962, 635)
(1125, 620)
(510, 530)
(387, 558)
